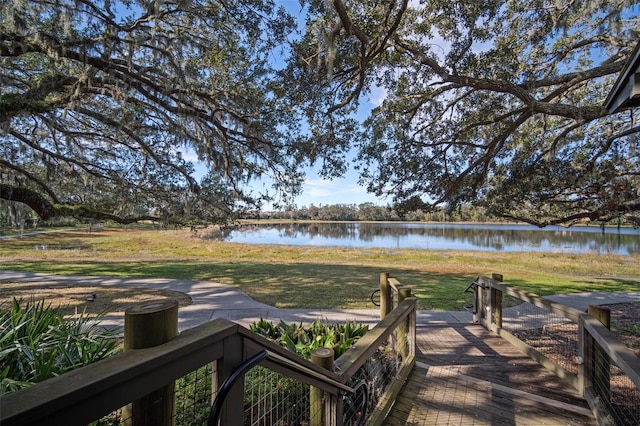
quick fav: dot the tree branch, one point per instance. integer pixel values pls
(32, 178)
(47, 210)
(581, 113)
(604, 214)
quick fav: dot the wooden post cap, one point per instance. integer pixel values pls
(323, 357)
(151, 307)
(150, 324)
(601, 313)
(404, 292)
(323, 352)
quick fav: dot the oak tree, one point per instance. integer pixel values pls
(106, 104)
(498, 103)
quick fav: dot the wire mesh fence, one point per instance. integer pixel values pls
(614, 387)
(375, 377)
(191, 395)
(274, 399)
(616, 394)
(176, 383)
(549, 333)
(271, 398)
(194, 395)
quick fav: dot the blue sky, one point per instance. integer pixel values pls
(346, 190)
(319, 191)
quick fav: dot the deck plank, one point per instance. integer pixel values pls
(466, 375)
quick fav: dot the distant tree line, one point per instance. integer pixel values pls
(107, 107)
(372, 212)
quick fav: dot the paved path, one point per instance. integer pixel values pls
(582, 301)
(213, 300)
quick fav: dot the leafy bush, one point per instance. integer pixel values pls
(303, 340)
(37, 343)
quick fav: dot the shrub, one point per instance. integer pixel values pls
(304, 339)
(37, 342)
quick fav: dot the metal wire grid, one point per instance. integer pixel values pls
(616, 393)
(192, 395)
(551, 334)
(377, 374)
(557, 338)
(274, 399)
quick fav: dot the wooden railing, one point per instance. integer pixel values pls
(575, 345)
(88, 394)
(391, 293)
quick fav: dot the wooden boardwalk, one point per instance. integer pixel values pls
(466, 375)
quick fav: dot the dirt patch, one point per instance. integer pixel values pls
(91, 299)
(559, 342)
(625, 323)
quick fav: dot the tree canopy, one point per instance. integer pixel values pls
(104, 102)
(495, 103)
(498, 103)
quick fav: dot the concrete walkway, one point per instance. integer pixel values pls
(581, 301)
(213, 300)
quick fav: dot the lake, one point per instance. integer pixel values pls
(508, 238)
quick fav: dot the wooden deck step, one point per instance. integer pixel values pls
(466, 375)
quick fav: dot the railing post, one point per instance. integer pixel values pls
(233, 355)
(322, 357)
(403, 329)
(147, 325)
(601, 362)
(583, 355)
(495, 303)
(478, 303)
(334, 410)
(385, 295)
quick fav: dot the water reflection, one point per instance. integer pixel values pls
(443, 237)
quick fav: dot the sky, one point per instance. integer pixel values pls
(319, 191)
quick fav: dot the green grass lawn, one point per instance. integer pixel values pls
(312, 277)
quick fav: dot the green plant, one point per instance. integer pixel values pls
(193, 397)
(37, 342)
(303, 340)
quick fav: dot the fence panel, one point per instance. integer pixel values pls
(612, 376)
(376, 377)
(193, 397)
(272, 398)
(572, 344)
(549, 333)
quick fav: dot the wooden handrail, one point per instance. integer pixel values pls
(353, 359)
(107, 385)
(91, 392)
(557, 308)
(395, 284)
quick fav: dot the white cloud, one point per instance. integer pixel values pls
(339, 191)
(377, 95)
